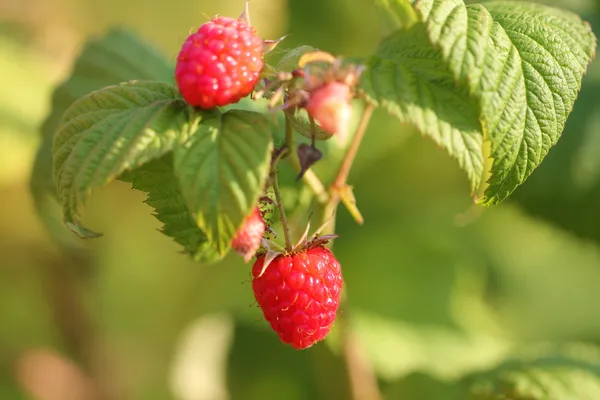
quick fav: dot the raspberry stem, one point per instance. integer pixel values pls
(282, 217)
(344, 171)
(363, 381)
(338, 191)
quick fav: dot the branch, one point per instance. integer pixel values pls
(346, 165)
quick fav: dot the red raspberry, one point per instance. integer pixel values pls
(329, 105)
(220, 63)
(248, 237)
(299, 294)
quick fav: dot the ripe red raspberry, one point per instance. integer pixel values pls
(248, 237)
(329, 105)
(220, 63)
(299, 294)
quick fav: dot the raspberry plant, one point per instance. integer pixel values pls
(493, 84)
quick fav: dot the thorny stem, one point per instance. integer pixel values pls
(283, 219)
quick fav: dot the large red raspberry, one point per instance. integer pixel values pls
(220, 63)
(299, 294)
(248, 237)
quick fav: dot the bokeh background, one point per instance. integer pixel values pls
(437, 287)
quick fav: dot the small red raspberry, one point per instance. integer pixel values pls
(329, 105)
(299, 294)
(247, 239)
(220, 63)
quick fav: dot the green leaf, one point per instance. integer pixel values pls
(157, 179)
(523, 62)
(569, 373)
(408, 77)
(118, 56)
(112, 130)
(565, 189)
(223, 169)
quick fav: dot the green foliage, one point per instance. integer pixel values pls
(402, 268)
(525, 75)
(223, 169)
(565, 189)
(570, 373)
(111, 131)
(408, 77)
(497, 115)
(521, 78)
(115, 129)
(116, 57)
(158, 180)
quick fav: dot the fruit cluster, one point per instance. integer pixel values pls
(298, 288)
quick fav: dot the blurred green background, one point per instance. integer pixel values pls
(437, 287)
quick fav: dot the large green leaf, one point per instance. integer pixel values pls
(408, 77)
(157, 179)
(118, 56)
(564, 374)
(565, 189)
(569, 372)
(524, 63)
(110, 131)
(223, 169)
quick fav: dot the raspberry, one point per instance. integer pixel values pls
(220, 63)
(299, 294)
(248, 237)
(329, 105)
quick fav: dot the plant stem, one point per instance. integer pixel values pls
(337, 190)
(282, 218)
(363, 382)
(346, 165)
(289, 133)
